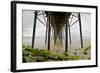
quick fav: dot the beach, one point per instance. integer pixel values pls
(59, 48)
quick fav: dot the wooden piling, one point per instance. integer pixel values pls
(69, 33)
(80, 28)
(66, 32)
(49, 29)
(34, 28)
(46, 33)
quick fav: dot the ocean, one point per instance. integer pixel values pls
(40, 43)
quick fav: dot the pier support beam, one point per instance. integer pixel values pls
(49, 29)
(34, 28)
(80, 27)
(66, 32)
(69, 33)
(46, 33)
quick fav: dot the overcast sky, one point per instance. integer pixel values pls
(28, 19)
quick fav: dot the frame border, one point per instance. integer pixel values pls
(13, 35)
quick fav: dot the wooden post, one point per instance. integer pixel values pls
(34, 28)
(80, 27)
(61, 37)
(49, 29)
(55, 37)
(66, 32)
(69, 33)
(46, 33)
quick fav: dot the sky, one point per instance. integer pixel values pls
(28, 19)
